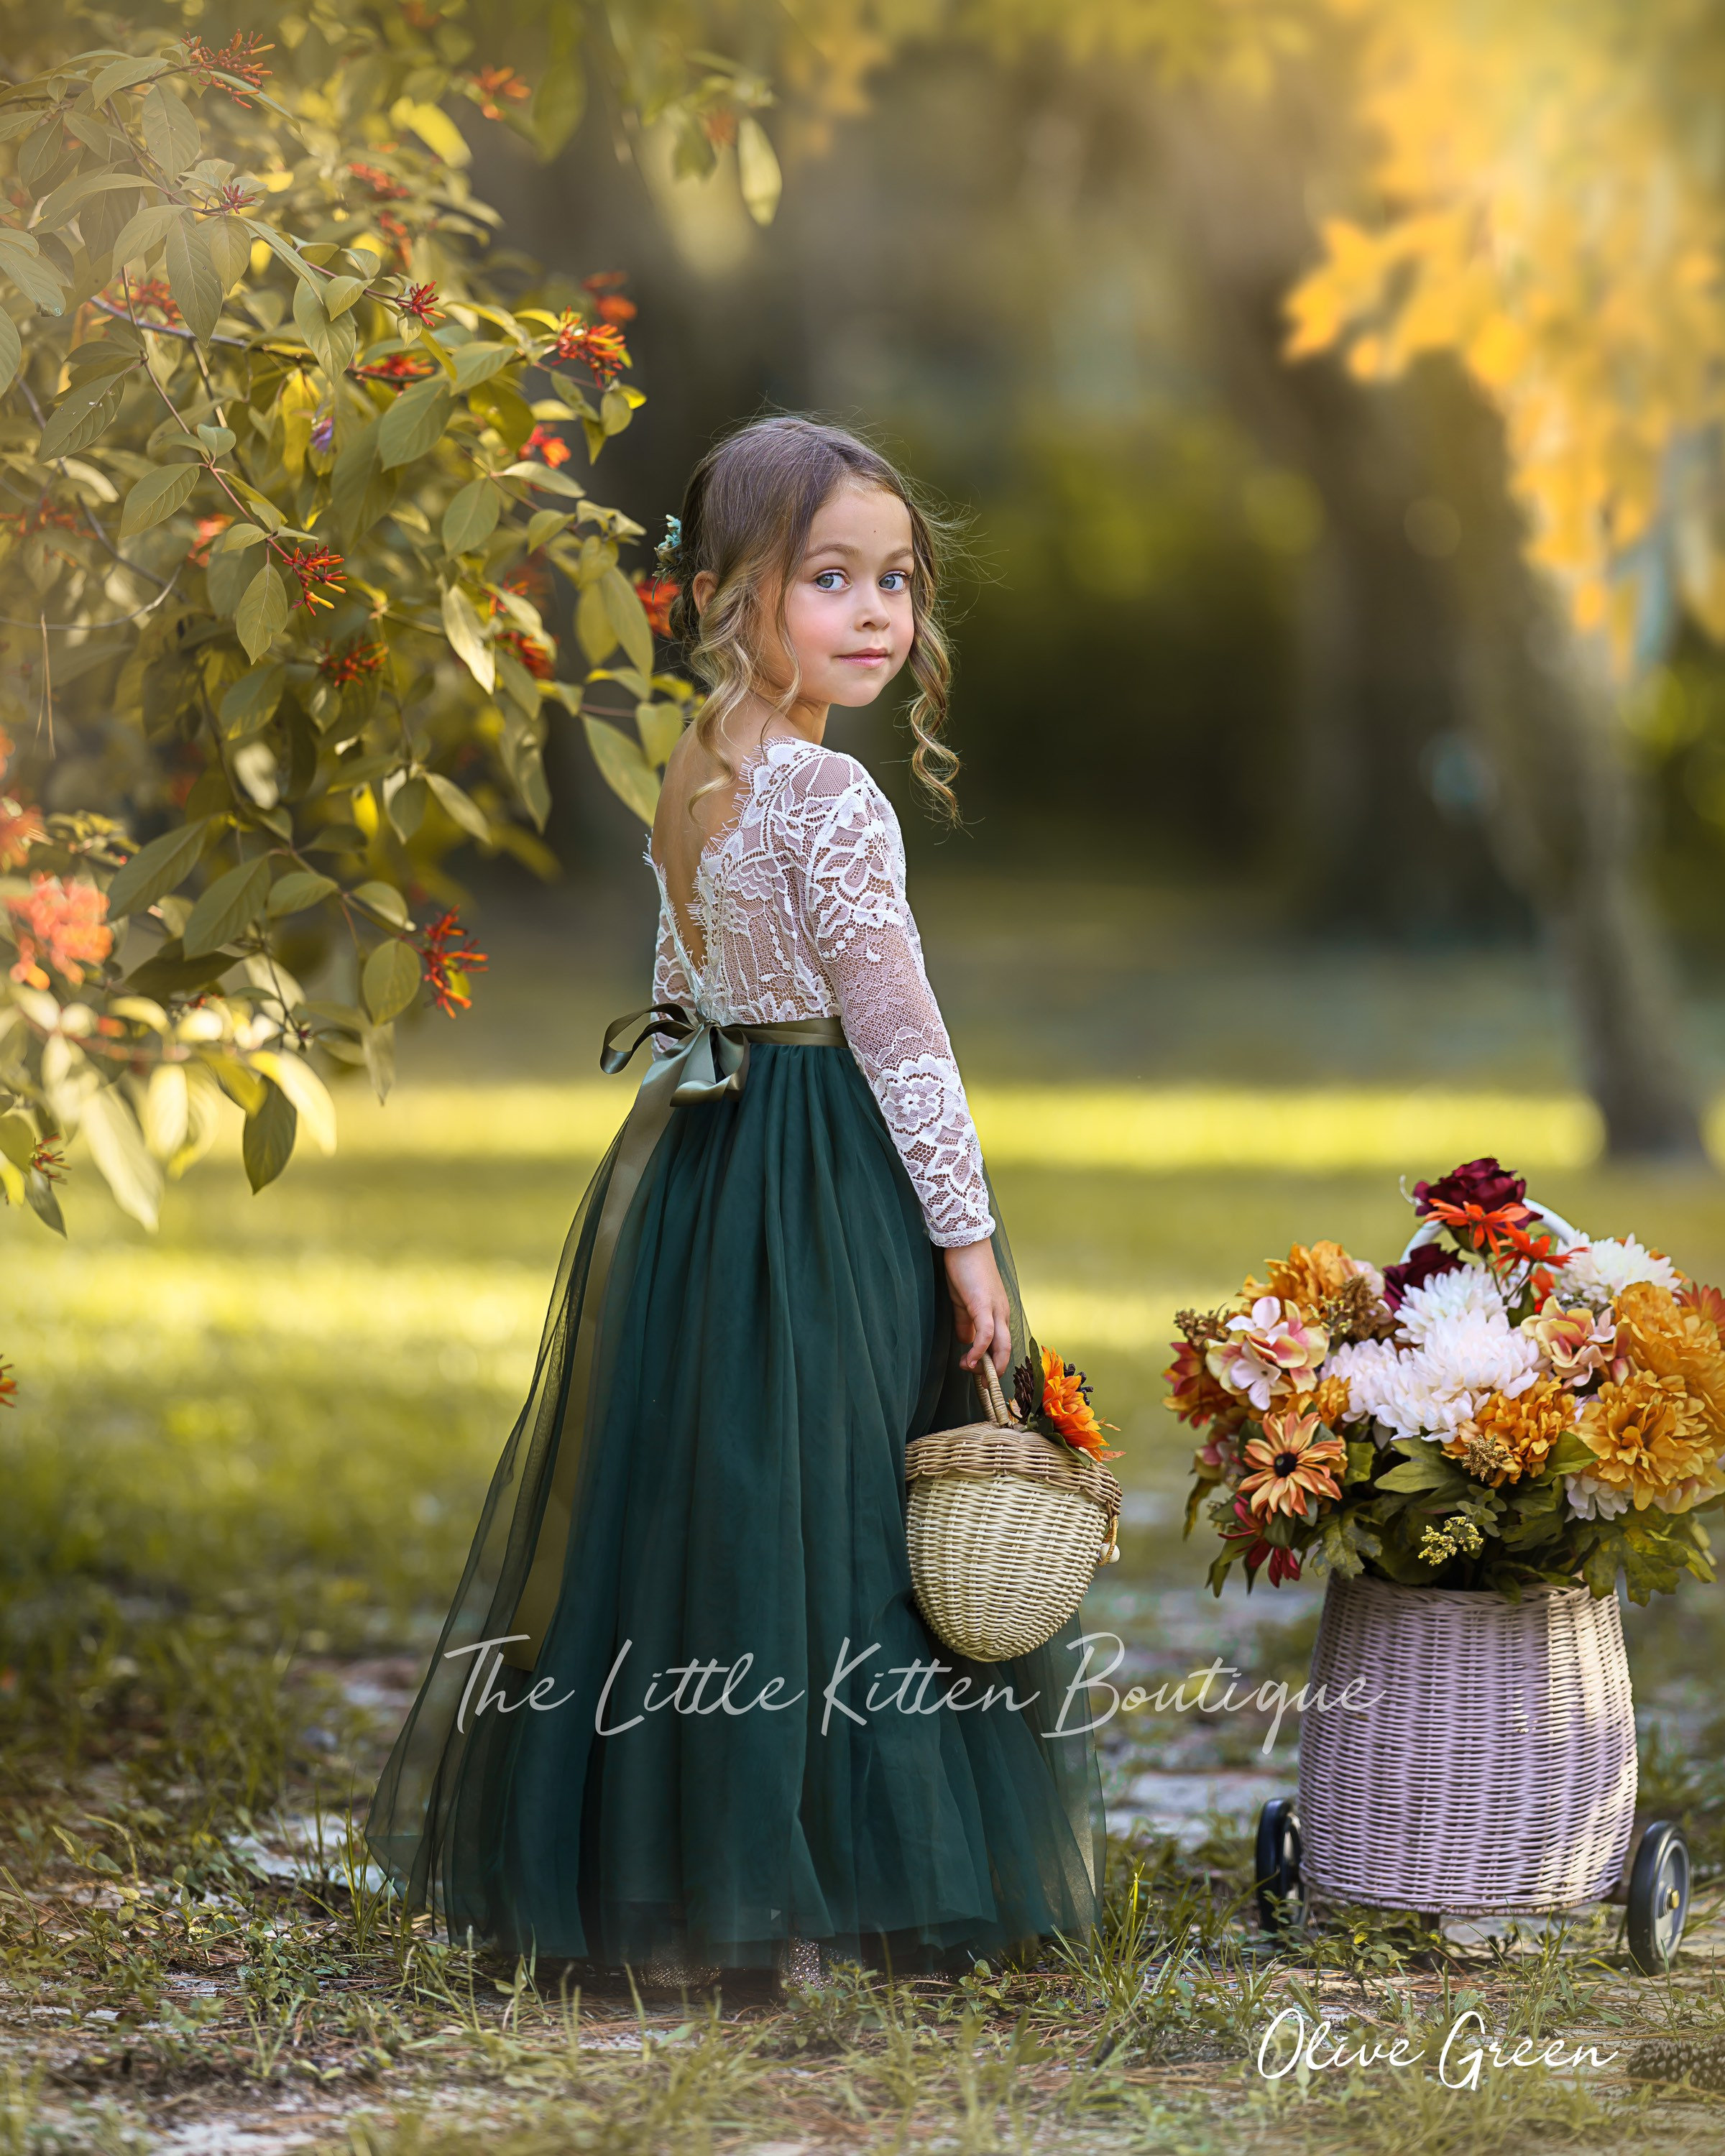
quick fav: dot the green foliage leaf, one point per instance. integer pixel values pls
(479, 361)
(460, 807)
(1426, 1470)
(12, 350)
(170, 132)
(268, 1143)
(306, 1091)
(391, 979)
(22, 260)
(359, 492)
(192, 280)
(43, 1202)
(18, 1139)
(461, 625)
(471, 516)
(263, 611)
(334, 341)
(298, 889)
(623, 767)
(157, 496)
(57, 209)
(559, 100)
(116, 1145)
(415, 424)
(250, 702)
(143, 232)
(123, 74)
(229, 250)
(384, 900)
(81, 416)
(228, 908)
(157, 868)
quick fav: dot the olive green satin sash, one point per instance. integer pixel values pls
(708, 1061)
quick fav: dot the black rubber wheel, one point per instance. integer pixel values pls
(1658, 1897)
(1276, 1866)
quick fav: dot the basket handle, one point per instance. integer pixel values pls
(988, 1385)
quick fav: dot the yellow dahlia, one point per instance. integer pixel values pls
(1650, 1437)
(1309, 1277)
(1508, 1438)
(1660, 1336)
(1331, 1402)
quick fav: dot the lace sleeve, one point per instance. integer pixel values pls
(852, 891)
(670, 976)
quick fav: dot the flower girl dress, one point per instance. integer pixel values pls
(682, 1713)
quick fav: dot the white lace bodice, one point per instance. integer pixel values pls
(801, 905)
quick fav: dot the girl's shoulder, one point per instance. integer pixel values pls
(808, 778)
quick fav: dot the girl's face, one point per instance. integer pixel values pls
(847, 604)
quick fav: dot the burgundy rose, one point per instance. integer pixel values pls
(1481, 1182)
(1427, 1263)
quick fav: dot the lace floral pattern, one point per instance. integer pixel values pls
(801, 907)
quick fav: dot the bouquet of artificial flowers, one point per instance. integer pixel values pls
(1512, 1402)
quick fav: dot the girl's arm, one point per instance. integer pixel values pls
(860, 922)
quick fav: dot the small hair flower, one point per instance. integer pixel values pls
(667, 551)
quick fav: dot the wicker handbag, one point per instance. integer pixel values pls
(1006, 1528)
(1495, 1767)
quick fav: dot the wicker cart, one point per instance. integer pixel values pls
(1484, 1765)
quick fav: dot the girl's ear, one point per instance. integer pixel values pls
(702, 589)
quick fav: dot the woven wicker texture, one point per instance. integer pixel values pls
(1006, 1529)
(1494, 1769)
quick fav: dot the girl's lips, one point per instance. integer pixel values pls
(865, 658)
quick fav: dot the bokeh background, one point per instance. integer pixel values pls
(1296, 864)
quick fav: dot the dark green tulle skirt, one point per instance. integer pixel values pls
(706, 1743)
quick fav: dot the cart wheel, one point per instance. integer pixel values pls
(1658, 1897)
(1276, 1868)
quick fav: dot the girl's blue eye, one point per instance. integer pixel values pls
(821, 579)
(895, 580)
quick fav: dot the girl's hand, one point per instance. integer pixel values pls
(980, 1309)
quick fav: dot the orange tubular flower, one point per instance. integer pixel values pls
(1291, 1464)
(1065, 1401)
(61, 923)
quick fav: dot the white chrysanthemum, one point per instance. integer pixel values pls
(1429, 1391)
(1471, 1292)
(1601, 1273)
(1592, 1500)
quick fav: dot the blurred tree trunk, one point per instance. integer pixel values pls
(1561, 806)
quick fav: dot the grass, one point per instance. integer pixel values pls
(240, 1479)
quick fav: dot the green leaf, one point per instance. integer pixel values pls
(157, 496)
(340, 294)
(22, 260)
(230, 252)
(170, 132)
(122, 74)
(471, 516)
(548, 480)
(661, 726)
(12, 350)
(1426, 1470)
(192, 278)
(615, 410)
(461, 625)
(18, 1139)
(263, 611)
(170, 972)
(43, 1202)
(81, 415)
(378, 1042)
(629, 617)
(140, 236)
(268, 1144)
(116, 1144)
(461, 808)
(384, 900)
(334, 342)
(57, 208)
(391, 980)
(238, 537)
(307, 1092)
(298, 889)
(435, 130)
(359, 492)
(228, 908)
(546, 524)
(406, 806)
(414, 424)
(250, 703)
(157, 868)
(478, 363)
(623, 767)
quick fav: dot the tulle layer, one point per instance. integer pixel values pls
(733, 1728)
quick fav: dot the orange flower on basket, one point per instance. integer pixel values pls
(1652, 1441)
(1065, 1403)
(1291, 1464)
(1657, 1333)
(1707, 1303)
(1331, 1402)
(1509, 1438)
(1575, 1343)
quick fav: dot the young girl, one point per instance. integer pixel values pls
(683, 1716)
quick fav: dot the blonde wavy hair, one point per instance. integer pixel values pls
(747, 515)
